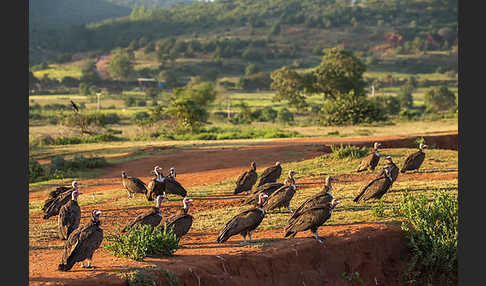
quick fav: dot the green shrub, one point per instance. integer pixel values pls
(60, 167)
(348, 110)
(391, 104)
(285, 116)
(379, 209)
(36, 171)
(348, 151)
(143, 241)
(431, 228)
(439, 99)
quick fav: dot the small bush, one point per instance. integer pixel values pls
(36, 171)
(431, 228)
(348, 151)
(143, 241)
(285, 116)
(379, 209)
(348, 110)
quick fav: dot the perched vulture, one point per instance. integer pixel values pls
(156, 186)
(246, 180)
(371, 160)
(414, 160)
(82, 243)
(270, 175)
(324, 196)
(151, 217)
(69, 216)
(244, 223)
(181, 221)
(267, 189)
(57, 199)
(172, 186)
(394, 170)
(133, 185)
(281, 197)
(376, 188)
(311, 218)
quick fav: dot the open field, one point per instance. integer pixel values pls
(208, 172)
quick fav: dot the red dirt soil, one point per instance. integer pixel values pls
(373, 250)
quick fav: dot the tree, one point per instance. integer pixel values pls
(439, 99)
(120, 66)
(169, 78)
(152, 93)
(190, 114)
(89, 73)
(405, 95)
(339, 73)
(245, 115)
(251, 69)
(288, 85)
(269, 114)
(285, 116)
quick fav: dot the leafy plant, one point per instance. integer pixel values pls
(353, 152)
(379, 209)
(143, 241)
(148, 276)
(353, 277)
(432, 237)
(36, 170)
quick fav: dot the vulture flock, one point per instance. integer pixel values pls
(81, 241)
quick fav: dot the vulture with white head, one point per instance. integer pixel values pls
(57, 199)
(414, 160)
(281, 198)
(181, 221)
(244, 223)
(151, 217)
(133, 185)
(172, 186)
(376, 188)
(270, 174)
(82, 243)
(156, 186)
(69, 216)
(324, 196)
(311, 219)
(371, 160)
(394, 170)
(246, 180)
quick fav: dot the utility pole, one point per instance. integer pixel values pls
(98, 95)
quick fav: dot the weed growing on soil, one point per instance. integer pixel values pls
(143, 276)
(143, 241)
(353, 277)
(353, 152)
(379, 209)
(431, 228)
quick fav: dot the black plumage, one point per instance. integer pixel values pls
(270, 174)
(69, 216)
(376, 188)
(156, 186)
(181, 221)
(75, 107)
(311, 219)
(414, 160)
(371, 160)
(246, 180)
(267, 189)
(151, 217)
(282, 197)
(244, 223)
(172, 186)
(57, 199)
(133, 185)
(82, 243)
(324, 196)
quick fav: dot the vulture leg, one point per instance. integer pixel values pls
(244, 239)
(249, 235)
(88, 263)
(317, 237)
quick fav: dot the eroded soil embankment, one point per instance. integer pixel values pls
(375, 252)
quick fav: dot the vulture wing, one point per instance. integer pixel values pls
(181, 224)
(246, 181)
(55, 205)
(310, 218)
(376, 188)
(242, 222)
(80, 245)
(68, 219)
(270, 175)
(317, 199)
(414, 161)
(174, 187)
(279, 198)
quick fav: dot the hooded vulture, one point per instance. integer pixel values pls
(245, 222)
(151, 217)
(394, 170)
(324, 196)
(311, 219)
(281, 197)
(267, 189)
(376, 188)
(133, 185)
(82, 243)
(57, 199)
(246, 180)
(270, 174)
(156, 186)
(172, 186)
(181, 221)
(371, 160)
(414, 160)
(69, 216)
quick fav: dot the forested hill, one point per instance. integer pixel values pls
(151, 4)
(266, 18)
